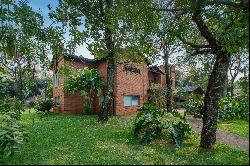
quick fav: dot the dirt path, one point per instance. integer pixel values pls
(222, 136)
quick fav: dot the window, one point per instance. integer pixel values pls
(57, 101)
(57, 79)
(131, 100)
(101, 98)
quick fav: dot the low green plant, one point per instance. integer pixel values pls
(244, 105)
(88, 109)
(179, 127)
(147, 124)
(151, 121)
(157, 96)
(12, 134)
(231, 107)
(195, 104)
(44, 105)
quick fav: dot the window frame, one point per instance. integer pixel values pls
(57, 79)
(57, 101)
(131, 100)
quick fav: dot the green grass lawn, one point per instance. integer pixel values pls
(74, 139)
(238, 127)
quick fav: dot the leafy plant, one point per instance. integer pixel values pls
(244, 98)
(147, 124)
(179, 127)
(228, 108)
(12, 134)
(157, 96)
(88, 108)
(85, 82)
(44, 105)
(233, 108)
(194, 104)
(151, 122)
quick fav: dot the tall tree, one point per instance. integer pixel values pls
(105, 26)
(215, 27)
(198, 68)
(238, 64)
(23, 41)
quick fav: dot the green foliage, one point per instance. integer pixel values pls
(194, 104)
(12, 134)
(157, 96)
(44, 105)
(124, 20)
(178, 128)
(244, 84)
(151, 121)
(231, 108)
(244, 98)
(87, 82)
(88, 108)
(178, 132)
(148, 125)
(87, 140)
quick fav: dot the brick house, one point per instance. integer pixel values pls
(132, 81)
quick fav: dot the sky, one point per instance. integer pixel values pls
(41, 6)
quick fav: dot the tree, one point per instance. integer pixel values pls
(238, 64)
(107, 29)
(86, 82)
(215, 27)
(22, 47)
(198, 68)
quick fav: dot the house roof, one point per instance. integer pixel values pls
(155, 69)
(195, 89)
(80, 58)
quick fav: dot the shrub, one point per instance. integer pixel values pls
(88, 109)
(151, 121)
(244, 106)
(179, 128)
(157, 96)
(233, 108)
(147, 124)
(12, 134)
(244, 98)
(44, 105)
(195, 104)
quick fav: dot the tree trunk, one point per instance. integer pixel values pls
(216, 86)
(232, 88)
(168, 81)
(108, 102)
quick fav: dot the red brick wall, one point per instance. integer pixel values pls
(152, 76)
(126, 84)
(131, 84)
(69, 103)
(172, 68)
(57, 91)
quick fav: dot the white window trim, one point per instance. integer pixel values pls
(131, 100)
